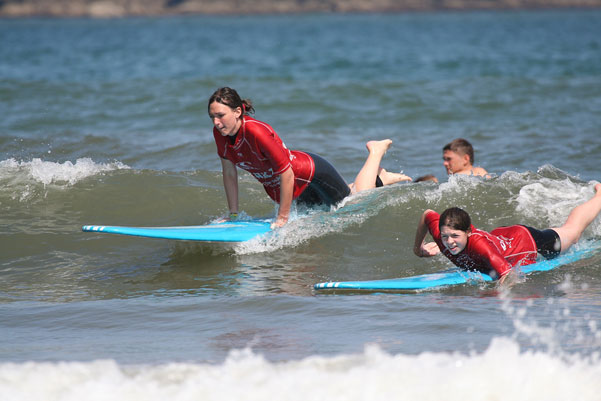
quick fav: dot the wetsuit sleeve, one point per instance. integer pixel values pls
(274, 150)
(220, 143)
(484, 251)
(432, 220)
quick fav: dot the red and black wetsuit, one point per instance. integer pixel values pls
(493, 253)
(258, 149)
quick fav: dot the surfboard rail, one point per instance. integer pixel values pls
(229, 231)
(454, 276)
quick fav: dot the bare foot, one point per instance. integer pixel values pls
(378, 147)
(392, 178)
(598, 189)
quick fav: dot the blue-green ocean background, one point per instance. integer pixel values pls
(104, 122)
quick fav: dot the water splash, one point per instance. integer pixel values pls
(22, 178)
(306, 224)
(552, 200)
(57, 173)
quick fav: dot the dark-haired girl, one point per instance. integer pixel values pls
(496, 252)
(254, 146)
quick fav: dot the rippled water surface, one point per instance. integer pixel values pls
(104, 122)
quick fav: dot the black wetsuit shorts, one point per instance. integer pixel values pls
(327, 187)
(548, 243)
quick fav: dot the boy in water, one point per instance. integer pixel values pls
(458, 158)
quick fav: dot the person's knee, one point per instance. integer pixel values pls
(568, 237)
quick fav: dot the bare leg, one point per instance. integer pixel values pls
(366, 179)
(579, 219)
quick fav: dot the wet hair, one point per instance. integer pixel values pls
(230, 98)
(456, 218)
(461, 146)
(427, 177)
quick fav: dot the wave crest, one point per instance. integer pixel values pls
(47, 172)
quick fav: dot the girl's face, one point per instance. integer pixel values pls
(225, 119)
(454, 240)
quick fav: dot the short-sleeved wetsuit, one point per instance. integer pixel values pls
(493, 253)
(258, 149)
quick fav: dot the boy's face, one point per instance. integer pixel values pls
(454, 240)
(455, 162)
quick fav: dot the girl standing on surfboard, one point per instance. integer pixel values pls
(286, 175)
(495, 253)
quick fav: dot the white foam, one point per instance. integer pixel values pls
(305, 224)
(502, 372)
(458, 185)
(57, 173)
(545, 200)
(553, 200)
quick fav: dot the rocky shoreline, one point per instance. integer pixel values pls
(124, 8)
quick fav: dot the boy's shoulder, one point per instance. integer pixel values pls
(479, 171)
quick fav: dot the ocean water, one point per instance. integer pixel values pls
(105, 122)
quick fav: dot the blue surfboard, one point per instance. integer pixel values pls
(229, 231)
(449, 277)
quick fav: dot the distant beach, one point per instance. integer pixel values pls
(124, 8)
